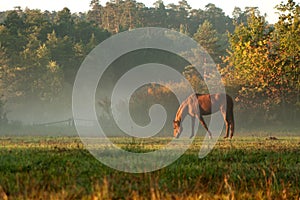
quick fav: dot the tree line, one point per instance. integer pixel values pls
(40, 51)
(263, 64)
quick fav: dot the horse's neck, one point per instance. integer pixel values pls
(181, 113)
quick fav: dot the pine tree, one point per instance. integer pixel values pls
(206, 36)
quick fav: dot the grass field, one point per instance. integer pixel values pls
(60, 168)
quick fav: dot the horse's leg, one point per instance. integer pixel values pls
(231, 126)
(223, 111)
(231, 129)
(227, 128)
(193, 127)
(230, 121)
(204, 125)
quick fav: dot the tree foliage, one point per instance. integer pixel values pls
(44, 49)
(263, 62)
(41, 51)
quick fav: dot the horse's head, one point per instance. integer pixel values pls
(177, 128)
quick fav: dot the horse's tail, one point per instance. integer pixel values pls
(232, 124)
(229, 116)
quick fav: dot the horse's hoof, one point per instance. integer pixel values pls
(225, 137)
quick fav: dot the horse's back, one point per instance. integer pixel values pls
(210, 103)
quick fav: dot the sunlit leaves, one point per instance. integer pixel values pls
(263, 61)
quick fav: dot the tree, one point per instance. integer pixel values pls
(159, 4)
(46, 77)
(111, 17)
(250, 70)
(37, 23)
(182, 13)
(261, 63)
(37, 75)
(5, 87)
(287, 51)
(4, 72)
(239, 16)
(206, 36)
(64, 24)
(96, 13)
(12, 36)
(63, 53)
(217, 18)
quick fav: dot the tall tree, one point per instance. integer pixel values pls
(37, 23)
(63, 53)
(260, 63)
(64, 23)
(5, 83)
(239, 16)
(129, 18)
(249, 67)
(217, 18)
(96, 12)
(206, 36)
(12, 35)
(287, 51)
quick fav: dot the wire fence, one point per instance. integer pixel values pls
(69, 122)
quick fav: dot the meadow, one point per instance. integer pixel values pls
(37, 167)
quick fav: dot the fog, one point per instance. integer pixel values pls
(33, 116)
(34, 111)
(36, 117)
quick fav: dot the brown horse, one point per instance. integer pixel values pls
(208, 104)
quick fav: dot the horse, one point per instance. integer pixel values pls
(208, 104)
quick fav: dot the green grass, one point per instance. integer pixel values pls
(60, 168)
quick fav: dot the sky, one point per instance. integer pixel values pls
(265, 6)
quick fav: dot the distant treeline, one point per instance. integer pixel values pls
(40, 51)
